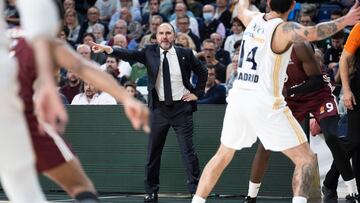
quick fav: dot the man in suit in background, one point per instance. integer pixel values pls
(172, 100)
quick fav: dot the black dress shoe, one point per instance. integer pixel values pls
(151, 197)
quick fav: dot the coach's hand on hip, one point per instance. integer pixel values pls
(189, 97)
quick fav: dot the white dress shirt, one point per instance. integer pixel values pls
(177, 86)
(98, 99)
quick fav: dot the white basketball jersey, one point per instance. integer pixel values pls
(259, 68)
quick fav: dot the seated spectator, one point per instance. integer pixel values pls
(237, 29)
(195, 7)
(131, 89)
(221, 55)
(332, 54)
(106, 8)
(154, 6)
(98, 31)
(63, 35)
(120, 68)
(134, 29)
(155, 21)
(72, 86)
(90, 96)
(97, 57)
(71, 22)
(214, 93)
(222, 13)
(93, 17)
(185, 41)
(210, 24)
(180, 10)
(207, 55)
(84, 50)
(183, 23)
(121, 27)
(165, 9)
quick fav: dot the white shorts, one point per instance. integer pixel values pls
(250, 115)
(15, 146)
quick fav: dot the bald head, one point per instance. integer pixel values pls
(165, 35)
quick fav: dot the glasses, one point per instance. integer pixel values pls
(209, 50)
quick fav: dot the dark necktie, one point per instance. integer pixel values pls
(167, 81)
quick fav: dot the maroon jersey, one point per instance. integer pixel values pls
(321, 103)
(49, 154)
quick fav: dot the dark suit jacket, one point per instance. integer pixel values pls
(150, 57)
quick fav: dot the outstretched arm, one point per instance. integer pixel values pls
(136, 111)
(244, 14)
(294, 32)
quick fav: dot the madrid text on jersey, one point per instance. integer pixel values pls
(248, 77)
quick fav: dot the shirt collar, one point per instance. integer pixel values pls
(170, 51)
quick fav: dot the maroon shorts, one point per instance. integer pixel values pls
(50, 148)
(320, 106)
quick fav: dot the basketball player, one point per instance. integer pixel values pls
(17, 170)
(256, 107)
(54, 158)
(307, 92)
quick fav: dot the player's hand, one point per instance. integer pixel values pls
(138, 114)
(353, 16)
(349, 99)
(189, 97)
(99, 48)
(49, 108)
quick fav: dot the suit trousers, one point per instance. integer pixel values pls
(179, 117)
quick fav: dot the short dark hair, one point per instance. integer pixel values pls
(90, 35)
(280, 6)
(338, 35)
(337, 12)
(237, 44)
(130, 84)
(116, 58)
(237, 20)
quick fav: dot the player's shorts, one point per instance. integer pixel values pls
(250, 115)
(50, 149)
(322, 106)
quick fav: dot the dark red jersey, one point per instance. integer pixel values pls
(321, 103)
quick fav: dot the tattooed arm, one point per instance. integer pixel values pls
(244, 14)
(290, 32)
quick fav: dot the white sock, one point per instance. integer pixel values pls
(253, 189)
(299, 199)
(351, 186)
(198, 199)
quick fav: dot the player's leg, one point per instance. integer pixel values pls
(341, 159)
(258, 168)
(21, 184)
(72, 178)
(212, 172)
(304, 160)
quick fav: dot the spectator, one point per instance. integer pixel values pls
(72, 86)
(131, 89)
(134, 29)
(134, 10)
(63, 35)
(208, 56)
(69, 4)
(222, 13)
(121, 27)
(11, 13)
(165, 9)
(238, 31)
(185, 41)
(214, 93)
(84, 50)
(97, 57)
(332, 54)
(98, 31)
(221, 55)
(183, 25)
(71, 22)
(195, 7)
(155, 21)
(154, 6)
(90, 96)
(93, 17)
(181, 10)
(120, 68)
(106, 8)
(210, 24)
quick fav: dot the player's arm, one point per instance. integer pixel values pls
(316, 81)
(292, 32)
(87, 70)
(244, 14)
(345, 62)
